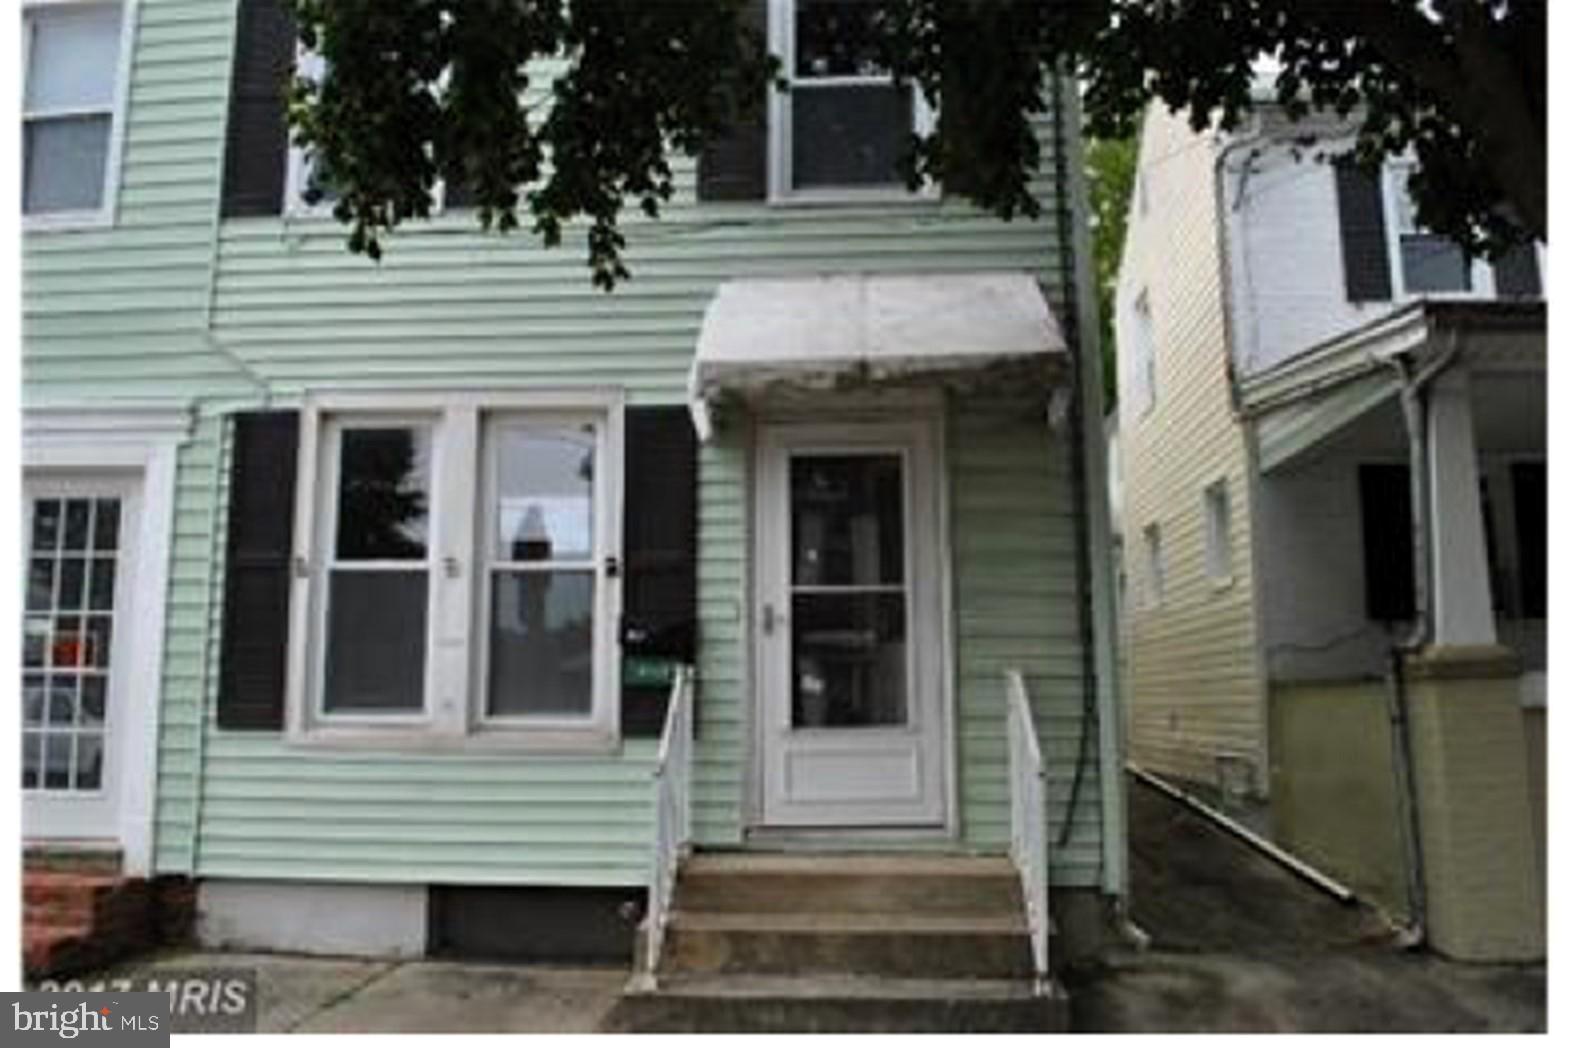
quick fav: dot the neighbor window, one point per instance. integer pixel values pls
(1154, 567)
(71, 108)
(843, 124)
(1143, 354)
(1427, 263)
(1218, 532)
(459, 581)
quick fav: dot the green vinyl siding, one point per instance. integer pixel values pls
(119, 312)
(170, 304)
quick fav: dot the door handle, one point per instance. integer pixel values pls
(767, 618)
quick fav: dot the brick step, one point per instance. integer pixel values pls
(837, 1003)
(862, 884)
(74, 920)
(68, 858)
(891, 945)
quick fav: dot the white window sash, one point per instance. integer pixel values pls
(105, 213)
(457, 563)
(783, 43)
(1482, 277)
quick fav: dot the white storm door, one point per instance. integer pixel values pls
(79, 536)
(849, 627)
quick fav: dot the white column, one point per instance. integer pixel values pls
(1462, 591)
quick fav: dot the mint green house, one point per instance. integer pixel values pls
(360, 593)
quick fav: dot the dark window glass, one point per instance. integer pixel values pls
(1433, 264)
(383, 506)
(849, 659)
(847, 520)
(377, 635)
(849, 136)
(839, 38)
(1386, 509)
(1529, 506)
(541, 643)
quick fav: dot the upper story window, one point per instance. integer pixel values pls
(1142, 351)
(1218, 532)
(1425, 262)
(73, 104)
(840, 129)
(1154, 567)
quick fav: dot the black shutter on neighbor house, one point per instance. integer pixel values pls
(659, 563)
(1366, 259)
(1529, 509)
(256, 136)
(258, 571)
(733, 166)
(1517, 272)
(1386, 510)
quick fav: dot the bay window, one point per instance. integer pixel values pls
(456, 572)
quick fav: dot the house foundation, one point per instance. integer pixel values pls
(1471, 763)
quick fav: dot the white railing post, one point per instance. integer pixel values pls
(1026, 791)
(673, 816)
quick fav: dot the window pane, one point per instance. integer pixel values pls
(31, 743)
(33, 690)
(93, 699)
(78, 512)
(545, 495)
(101, 588)
(63, 167)
(62, 699)
(57, 761)
(849, 659)
(107, 524)
(383, 507)
(46, 525)
(849, 136)
(839, 38)
(74, 58)
(41, 584)
(73, 575)
(90, 761)
(847, 520)
(1432, 263)
(541, 643)
(375, 641)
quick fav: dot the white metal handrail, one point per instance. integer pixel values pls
(673, 814)
(1026, 786)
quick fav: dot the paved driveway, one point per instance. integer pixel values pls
(1241, 944)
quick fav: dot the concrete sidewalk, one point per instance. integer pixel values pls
(298, 994)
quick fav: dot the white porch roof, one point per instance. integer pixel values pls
(825, 332)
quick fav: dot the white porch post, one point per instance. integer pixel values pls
(1462, 593)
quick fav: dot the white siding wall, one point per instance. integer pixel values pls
(1193, 692)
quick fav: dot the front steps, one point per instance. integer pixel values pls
(79, 913)
(862, 943)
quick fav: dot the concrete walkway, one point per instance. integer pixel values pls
(1241, 944)
(299, 994)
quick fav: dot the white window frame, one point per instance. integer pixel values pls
(1143, 324)
(458, 612)
(1218, 533)
(1154, 588)
(1482, 275)
(782, 34)
(105, 213)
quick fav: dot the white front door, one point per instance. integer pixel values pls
(79, 537)
(850, 663)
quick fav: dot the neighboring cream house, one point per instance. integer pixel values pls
(1297, 565)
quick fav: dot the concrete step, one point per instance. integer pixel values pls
(837, 1003)
(886, 944)
(867, 884)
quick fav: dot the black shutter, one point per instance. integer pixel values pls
(1386, 509)
(1366, 260)
(256, 136)
(258, 571)
(1529, 507)
(659, 563)
(1517, 272)
(733, 166)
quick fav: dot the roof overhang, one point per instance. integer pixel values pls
(1301, 402)
(962, 331)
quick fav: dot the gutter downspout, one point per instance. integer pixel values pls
(1095, 535)
(1412, 389)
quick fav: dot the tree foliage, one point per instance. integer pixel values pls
(1109, 164)
(420, 89)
